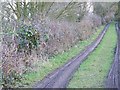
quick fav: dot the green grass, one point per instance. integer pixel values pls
(93, 71)
(57, 61)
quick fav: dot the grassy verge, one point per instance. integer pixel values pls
(93, 71)
(57, 61)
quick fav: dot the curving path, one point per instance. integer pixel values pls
(61, 76)
(113, 79)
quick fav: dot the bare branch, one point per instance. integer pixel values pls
(13, 9)
(63, 10)
(49, 9)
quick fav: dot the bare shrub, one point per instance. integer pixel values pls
(108, 16)
(23, 48)
(88, 25)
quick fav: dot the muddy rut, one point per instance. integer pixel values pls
(113, 79)
(61, 76)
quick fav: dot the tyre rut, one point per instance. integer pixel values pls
(61, 76)
(113, 79)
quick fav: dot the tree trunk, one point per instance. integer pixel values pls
(119, 14)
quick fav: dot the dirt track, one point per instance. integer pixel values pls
(61, 76)
(113, 80)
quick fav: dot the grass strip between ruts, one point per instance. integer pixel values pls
(93, 71)
(57, 61)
